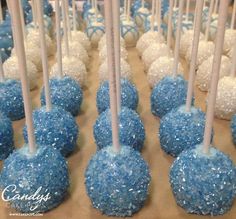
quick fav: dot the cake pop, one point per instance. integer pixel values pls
(233, 128)
(129, 96)
(94, 31)
(141, 15)
(137, 4)
(125, 70)
(81, 37)
(203, 76)
(6, 44)
(203, 178)
(6, 137)
(103, 42)
(43, 168)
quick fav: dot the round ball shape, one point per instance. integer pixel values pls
(129, 32)
(205, 50)
(95, 31)
(125, 70)
(129, 96)
(73, 68)
(109, 181)
(11, 70)
(161, 68)
(6, 137)
(77, 50)
(66, 93)
(225, 106)
(202, 183)
(11, 99)
(46, 171)
(229, 40)
(103, 53)
(140, 16)
(168, 94)
(147, 39)
(154, 52)
(233, 128)
(181, 130)
(81, 37)
(103, 42)
(203, 77)
(55, 128)
(131, 129)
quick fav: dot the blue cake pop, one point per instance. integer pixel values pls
(6, 43)
(66, 93)
(181, 130)
(202, 183)
(6, 137)
(44, 174)
(233, 128)
(11, 100)
(56, 128)
(137, 5)
(4, 56)
(47, 8)
(169, 93)
(117, 183)
(129, 96)
(131, 129)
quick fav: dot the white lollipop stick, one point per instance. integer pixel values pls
(152, 15)
(208, 24)
(216, 6)
(68, 19)
(22, 21)
(142, 3)
(116, 25)
(44, 55)
(65, 28)
(169, 30)
(195, 14)
(19, 40)
(74, 15)
(233, 66)
(176, 3)
(187, 10)
(125, 8)
(96, 9)
(223, 10)
(58, 35)
(159, 14)
(197, 30)
(34, 13)
(128, 10)
(112, 75)
(233, 16)
(178, 36)
(1, 15)
(2, 78)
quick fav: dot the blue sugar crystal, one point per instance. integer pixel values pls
(56, 128)
(131, 129)
(66, 93)
(129, 96)
(181, 130)
(117, 183)
(46, 171)
(233, 128)
(11, 100)
(169, 93)
(202, 183)
(6, 137)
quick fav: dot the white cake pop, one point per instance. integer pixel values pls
(186, 42)
(153, 52)
(33, 39)
(103, 53)
(205, 50)
(95, 31)
(148, 39)
(11, 70)
(125, 70)
(129, 32)
(140, 16)
(203, 76)
(72, 67)
(160, 68)
(229, 41)
(225, 106)
(103, 42)
(76, 49)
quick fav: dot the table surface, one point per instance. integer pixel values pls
(160, 203)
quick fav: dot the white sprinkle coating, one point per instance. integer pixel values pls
(229, 41)
(103, 42)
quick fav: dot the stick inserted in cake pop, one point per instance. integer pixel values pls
(74, 15)
(215, 75)
(19, 40)
(68, 19)
(196, 37)
(169, 29)
(208, 23)
(65, 28)
(216, 7)
(128, 10)
(22, 20)
(178, 36)
(112, 75)
(187, 10)
(233, 16)
(153, 15)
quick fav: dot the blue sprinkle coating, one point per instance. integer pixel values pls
(117, 183)
(233, 128)
(11, 100)
(136, 5)
(169, 93)
(131, 129)
(66, 93)
(6, 43)
(4, 56)
(6, 137)
(47, 8)
(129, 96)
(46, 169)
(181, 130)
(203, 184)
(55, 128)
